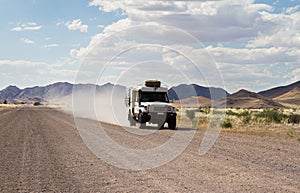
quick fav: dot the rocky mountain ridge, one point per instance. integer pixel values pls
(273, 98)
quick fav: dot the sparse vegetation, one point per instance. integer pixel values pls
(274, 122)
(271, 116)
(294, 119)
(290, 134)
(205, 110)
(202, 120)
(266, 116)
(227, 124)
(246, 116)
(5, 102)
(37, 104)
(231, 113)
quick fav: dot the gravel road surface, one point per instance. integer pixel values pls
(42, 151)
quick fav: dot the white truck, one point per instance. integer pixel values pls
(150, 103)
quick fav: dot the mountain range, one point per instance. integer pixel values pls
(13, 94)
(277, 91)
(278, 97)
(247, 99)
(283, 96)
(184, 91)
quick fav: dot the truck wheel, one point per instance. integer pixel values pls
(131, 120)
(172, 123)
(161, 126)
(142, 125)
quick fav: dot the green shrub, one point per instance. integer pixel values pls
(294, 118)
(227, 124)
(246, 116)
(271, 116)
(247, 119)
(231, 113)
(37, 104)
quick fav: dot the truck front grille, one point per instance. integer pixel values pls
(158, 109)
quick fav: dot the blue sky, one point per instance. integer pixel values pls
(48, 14)
(255, 44)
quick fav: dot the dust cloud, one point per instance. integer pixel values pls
(102, 103)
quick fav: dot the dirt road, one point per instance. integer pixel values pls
(41, 151)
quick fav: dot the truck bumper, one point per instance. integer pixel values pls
(157, 117)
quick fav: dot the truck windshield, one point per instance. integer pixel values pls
(154, 97)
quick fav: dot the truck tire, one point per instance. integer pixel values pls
(131, 120)
(172, 123)
(142, 124)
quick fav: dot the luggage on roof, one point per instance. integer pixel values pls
(152, 83)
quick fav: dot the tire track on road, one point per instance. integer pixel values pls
(43, 152)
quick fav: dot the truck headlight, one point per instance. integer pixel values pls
(169, 109)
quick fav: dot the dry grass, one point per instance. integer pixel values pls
(278, 131)
(8, 106)
(253, 126)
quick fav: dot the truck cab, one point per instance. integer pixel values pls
(149, 103)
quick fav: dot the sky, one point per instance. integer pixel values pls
(233, 44)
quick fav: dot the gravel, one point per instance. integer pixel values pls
(42, 151)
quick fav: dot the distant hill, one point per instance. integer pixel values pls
(9, 93)
(275, 92)
(195, 102)
(58, 90)
(291, 97)
(50, 92)
(247, 99)
(186, 91)
(188, 95)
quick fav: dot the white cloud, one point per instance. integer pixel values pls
(27, 41)
(225, 20)
(31, 73)
(256, 68)
(252, 40)
(284, 32)
(51, 45)
(100, 26)
(118, 26)
(30, 26)
(294, 75)
(291, 10)
(60, 22)
(83, 51)
(77, 25)
(23, 63)
(127, 57)
(255, 56)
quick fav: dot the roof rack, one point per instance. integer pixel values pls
(152, 83)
